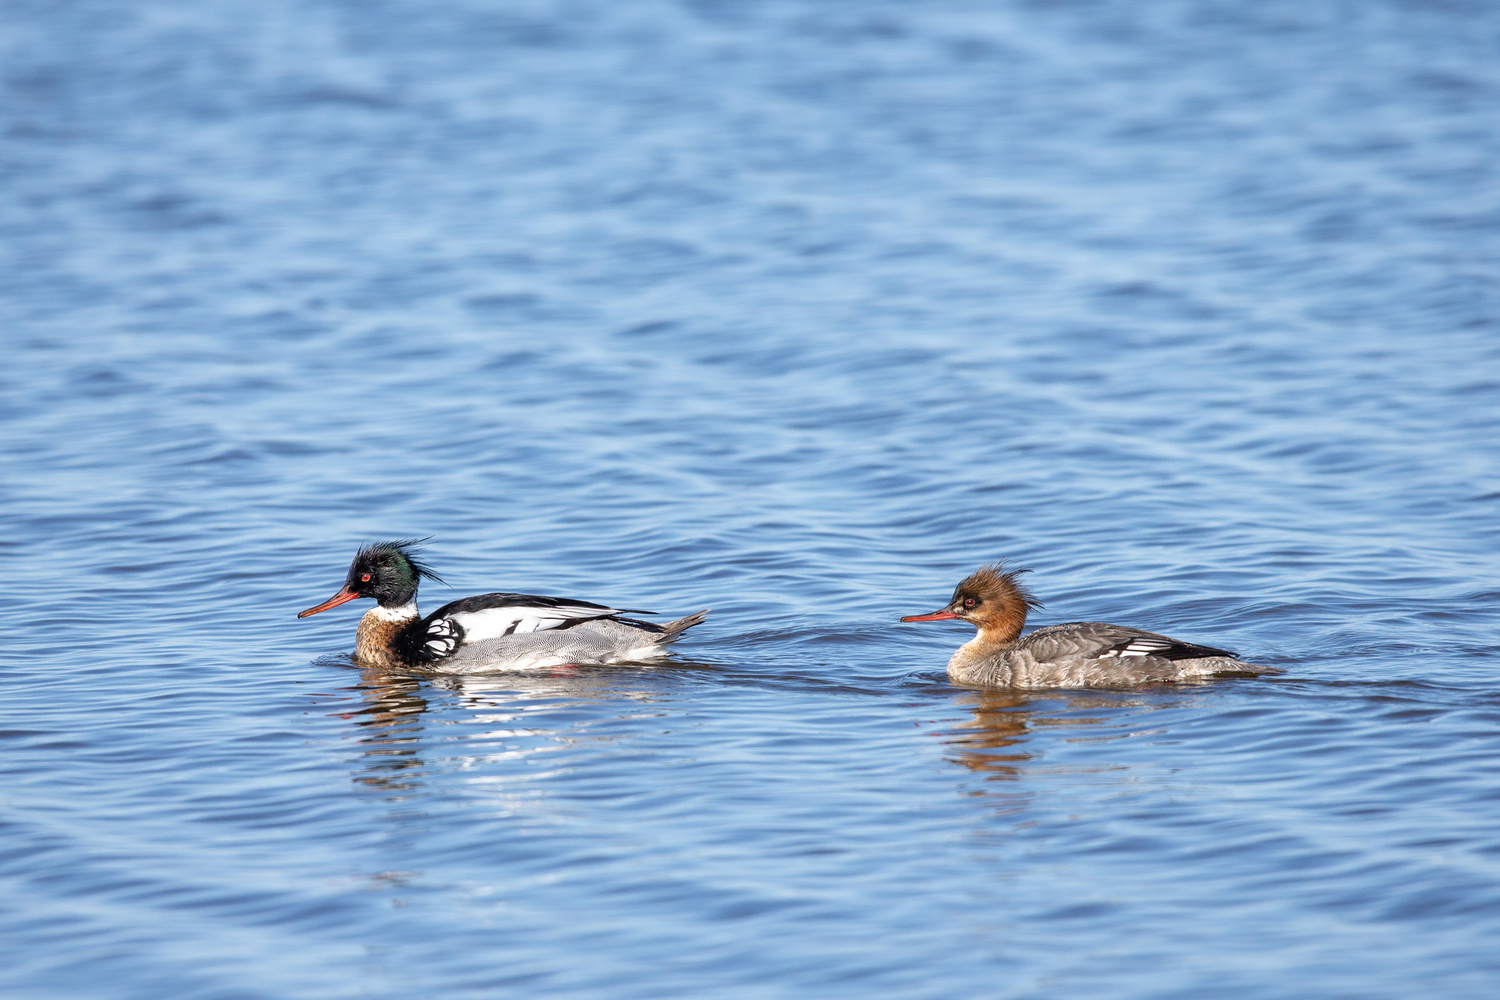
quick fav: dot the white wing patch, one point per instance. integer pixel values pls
(442, 637)
(1139, 646)
(492, 623)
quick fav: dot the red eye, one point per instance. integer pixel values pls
(968, 602)
(365, 578)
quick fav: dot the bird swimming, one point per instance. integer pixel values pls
(499, 631)
(1077, 654)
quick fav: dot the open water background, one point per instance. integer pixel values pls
(798, 310)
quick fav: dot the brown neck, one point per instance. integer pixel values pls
(373, 641)
(1003, 625)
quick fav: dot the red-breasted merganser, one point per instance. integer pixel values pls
(488, 632)
(1078, 654)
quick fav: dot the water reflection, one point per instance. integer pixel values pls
(498, 721)
(390, 729)
(994, 740)
(990, 741)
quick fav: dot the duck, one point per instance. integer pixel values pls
(1072, 655)
(500, 631)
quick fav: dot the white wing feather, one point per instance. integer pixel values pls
(492, 623)
(1139, 646)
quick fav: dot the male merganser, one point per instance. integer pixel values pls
(1078, 654)
(491, 631)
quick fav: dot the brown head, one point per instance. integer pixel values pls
(991, 600)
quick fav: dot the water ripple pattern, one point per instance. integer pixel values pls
(798, 310)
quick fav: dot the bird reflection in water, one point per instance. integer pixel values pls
(991, 740)
(498, 716)
(1004, 721)
(390, 729)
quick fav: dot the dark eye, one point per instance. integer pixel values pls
(969, 602)
(365, 578)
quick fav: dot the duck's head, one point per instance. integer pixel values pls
(387, 572)
(991, 599)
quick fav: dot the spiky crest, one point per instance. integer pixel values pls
(390, 572)
(408, 549)
(1000, 602)
(993, 582)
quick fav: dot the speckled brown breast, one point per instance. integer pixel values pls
(372, 641)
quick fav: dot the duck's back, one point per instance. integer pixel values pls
(526, 632)
(1091, 654)
(601, 640)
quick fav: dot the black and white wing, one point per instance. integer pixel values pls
(1099, 640)
(1138, 643)
(494, 616)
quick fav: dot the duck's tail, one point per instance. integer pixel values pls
(672, 631)
(1231, 667)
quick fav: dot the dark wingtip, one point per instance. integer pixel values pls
(408, 547)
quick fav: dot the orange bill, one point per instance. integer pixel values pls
(344, 595)
(934, 617)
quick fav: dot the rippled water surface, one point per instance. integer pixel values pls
(796, 310)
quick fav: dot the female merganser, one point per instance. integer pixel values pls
(491, 631)
(1078, 654)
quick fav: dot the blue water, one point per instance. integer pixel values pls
(796, 310)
